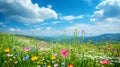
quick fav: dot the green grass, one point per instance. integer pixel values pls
(80, 55)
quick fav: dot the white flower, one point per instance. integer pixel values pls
(9, 55)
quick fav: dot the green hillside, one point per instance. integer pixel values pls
(20, 51)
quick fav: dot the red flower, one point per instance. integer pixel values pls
(104, 62)
(70, 65)
(64, 52)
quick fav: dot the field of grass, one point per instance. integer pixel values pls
(20, 51)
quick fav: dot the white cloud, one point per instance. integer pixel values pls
(14, 29)
(49, 6)
(44, 23)
(95, 29)
(11, 29)
(107, 11)
(70, 17)
(37, 29)
(56, 22)
(26, 11)
(48, 28)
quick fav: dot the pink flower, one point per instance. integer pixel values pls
(55, 65)
(55, 54)
(27, 48)
(64, 52)
(104, 62)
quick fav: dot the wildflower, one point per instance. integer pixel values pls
(70, 65)
(55, 65)
(9, 55)
(27, 49)
(34, 50)
(75, 29)
(14, 49)
(26, 57)
(7, 50)
(39, 62)
(48, 66)
(34, 58)
(10, 59)
(64, 52)
(64, 31)
(55, 54)
(104, 62)
(53, 57)
(15, 62)
(63, 63)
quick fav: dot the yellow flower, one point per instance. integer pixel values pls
(64, 31)
(15, 62)
(53, 57)
(7, 50)
(75, 29)
(48, 66)
(38, 62)
(34, 58)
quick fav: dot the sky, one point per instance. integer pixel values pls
(49, 17)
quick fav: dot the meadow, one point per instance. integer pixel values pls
(20, 51)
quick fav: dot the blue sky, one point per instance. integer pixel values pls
(48, 17)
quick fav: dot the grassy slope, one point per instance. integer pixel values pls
(79, 55)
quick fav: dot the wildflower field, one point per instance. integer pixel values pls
(20, 51)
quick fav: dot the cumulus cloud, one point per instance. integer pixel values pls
(71, 17)
(26, 11)
(48, 28)
(107, 11)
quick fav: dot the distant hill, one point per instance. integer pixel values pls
(101, 38)
(105, 38)
(113, 38)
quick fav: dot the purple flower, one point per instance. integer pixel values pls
(14, 49)
(26, 57)
(27, 49)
